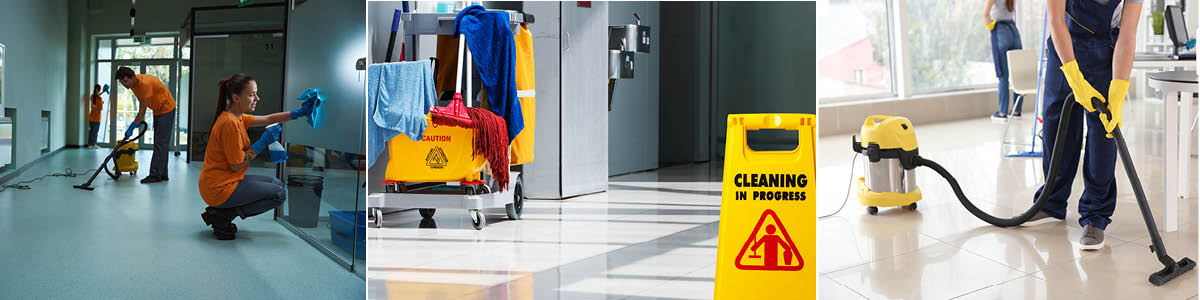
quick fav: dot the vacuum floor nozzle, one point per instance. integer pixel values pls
(1170, 272)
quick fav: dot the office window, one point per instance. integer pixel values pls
(948, 45)
(853, 50)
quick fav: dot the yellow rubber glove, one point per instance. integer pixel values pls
(1116, 99)
(1084, 92)
(991, 25)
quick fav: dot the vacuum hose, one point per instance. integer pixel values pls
(1171, 268)
(1055, 161)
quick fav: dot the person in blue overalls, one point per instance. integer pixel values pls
(998, 18)
(1094, 43)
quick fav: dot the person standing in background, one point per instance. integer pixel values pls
(998, 17)
(96, 104)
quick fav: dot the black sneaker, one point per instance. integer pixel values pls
(212, 216)
(999, 116)
(1016, 115)
(153, 179)
(221, 221)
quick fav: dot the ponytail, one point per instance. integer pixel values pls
(225, 90)
(1009, 4)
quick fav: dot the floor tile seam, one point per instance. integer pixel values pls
(852, 290)
(830, 273)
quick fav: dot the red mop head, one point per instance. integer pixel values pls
(491, 141)
(454, 114)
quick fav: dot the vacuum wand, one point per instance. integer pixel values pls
(116, 151)
(1171, 268)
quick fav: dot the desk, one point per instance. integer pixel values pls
(1177, 87)
(1156, 62)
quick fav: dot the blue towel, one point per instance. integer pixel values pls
(398, 97)
(317, 117)
(491, 41)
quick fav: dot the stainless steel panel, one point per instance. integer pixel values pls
(584, 106)
(888, 175)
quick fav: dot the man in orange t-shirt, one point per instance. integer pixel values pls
(96, 104)
(152, 93)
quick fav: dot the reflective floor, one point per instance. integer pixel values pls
(652, 235)
(127, 240)
(941, 251)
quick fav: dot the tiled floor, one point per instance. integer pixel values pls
(941, 251)
(652, 235)
(127, 240)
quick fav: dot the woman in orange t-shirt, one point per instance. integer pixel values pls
(223, 183)
(96, 104)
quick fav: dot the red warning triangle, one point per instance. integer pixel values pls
(765, 255)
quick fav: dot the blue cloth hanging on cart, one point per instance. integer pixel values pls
(398, 97)
(494, 52)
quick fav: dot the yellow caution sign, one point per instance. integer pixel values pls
(767, 240)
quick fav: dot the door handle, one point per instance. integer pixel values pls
(566, 41)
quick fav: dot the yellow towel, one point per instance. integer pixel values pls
(522, 145)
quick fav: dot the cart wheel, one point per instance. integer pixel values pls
(133, 173)
(426, 212)
(872, 210)
(514, 209)
(911, 207)
(388, 188)
(378, 215)
(469, 189)
(477, 219)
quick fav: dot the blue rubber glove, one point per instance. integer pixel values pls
(304, 110)
(268, 137)
(129, 130)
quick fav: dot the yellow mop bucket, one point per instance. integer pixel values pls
(767, 238)
(444, 154)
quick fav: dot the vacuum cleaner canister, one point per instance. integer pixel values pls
(888, 180)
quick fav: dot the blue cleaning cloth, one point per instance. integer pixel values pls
(399, 95)
(317, 117)
(492, 46)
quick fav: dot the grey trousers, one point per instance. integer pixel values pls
(256, 194)
(162, 143)
(93, 129)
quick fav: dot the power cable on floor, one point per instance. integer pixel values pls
(24, 185)
(848, 186)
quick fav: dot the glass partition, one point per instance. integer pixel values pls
(326, 199)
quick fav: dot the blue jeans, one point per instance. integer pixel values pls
(93, 129)
(1004, 37)
(255, 195)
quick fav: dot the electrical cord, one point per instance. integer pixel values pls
(24, 185)
(848, 186)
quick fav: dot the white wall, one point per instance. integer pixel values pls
(34, 34)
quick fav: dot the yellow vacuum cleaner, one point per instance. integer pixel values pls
(122, 157)
(890, 145)
(886, 140)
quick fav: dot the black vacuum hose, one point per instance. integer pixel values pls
(1055, 160)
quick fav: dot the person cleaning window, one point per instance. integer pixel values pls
(1094, 41)
(96, 104)
(998, 18)
(152, 93)
(223, 183)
